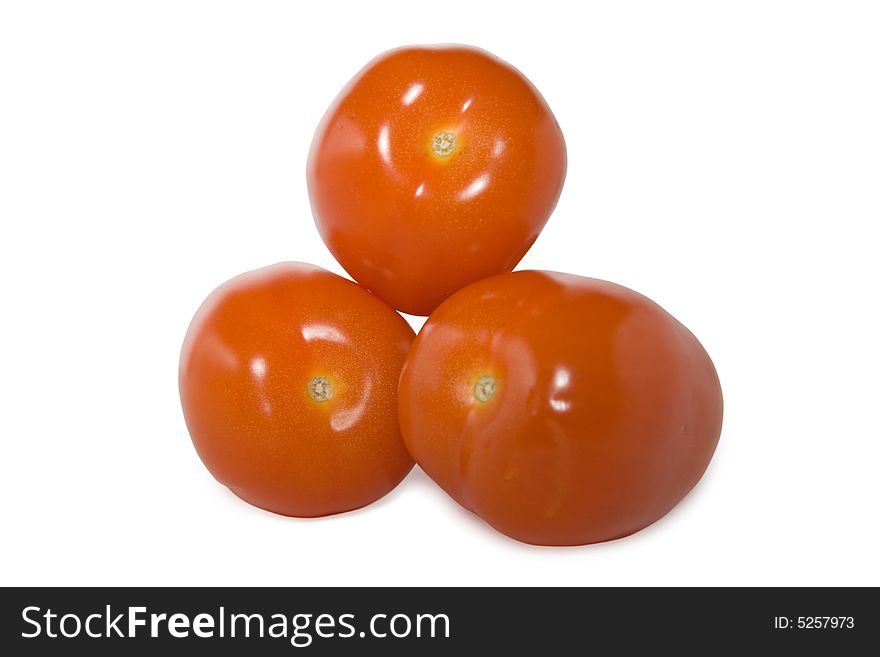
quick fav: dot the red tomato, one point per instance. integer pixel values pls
(563, 410)
(434, 168)
(288, 380)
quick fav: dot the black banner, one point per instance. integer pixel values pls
(334, 621)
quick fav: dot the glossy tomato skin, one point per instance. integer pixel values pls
(254, 374)
(414, 219)
(605, 410)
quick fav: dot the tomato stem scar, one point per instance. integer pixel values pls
(320, 389)
(443, 143)
(484, 388)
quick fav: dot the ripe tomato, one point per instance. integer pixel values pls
(288, 381)
(435, 167)
(562, 410)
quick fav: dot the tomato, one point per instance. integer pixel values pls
(434, 168)
(288, 381)
(563, 410)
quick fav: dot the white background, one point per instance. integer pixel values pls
(724, 159)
